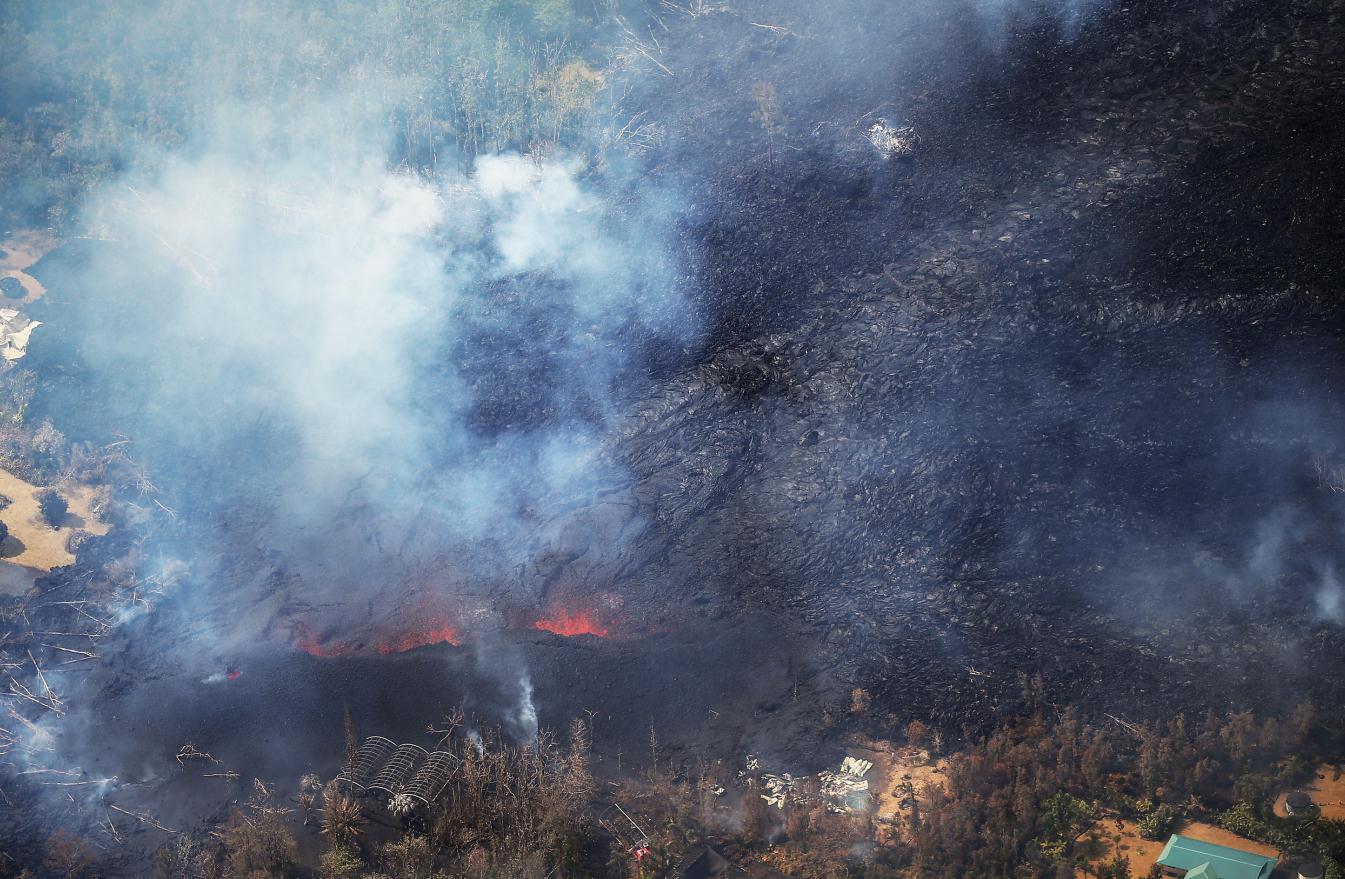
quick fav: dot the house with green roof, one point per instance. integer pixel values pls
(1186, 858)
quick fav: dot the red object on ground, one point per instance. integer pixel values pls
(313, 647)
(436, 632)
(569, 624)
(440, 634)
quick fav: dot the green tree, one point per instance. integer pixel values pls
(1064, 816)
(1158, 823)
(52, 506)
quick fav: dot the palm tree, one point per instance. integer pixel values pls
(342, 819)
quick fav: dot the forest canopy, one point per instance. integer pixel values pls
(452, 80)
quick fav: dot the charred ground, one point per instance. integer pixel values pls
(1041, 398)
(952, 404)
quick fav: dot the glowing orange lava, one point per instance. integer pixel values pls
(435, 633)
(313, 647)
(570, 624)
(440, 634)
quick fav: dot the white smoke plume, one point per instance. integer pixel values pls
(328, 327)
(524, 720)
(1330, 596)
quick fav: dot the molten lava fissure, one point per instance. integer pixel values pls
(439, 634)
(571, 623)
(313, 647)
(434, 633)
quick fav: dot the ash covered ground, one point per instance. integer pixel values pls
(1012, 347)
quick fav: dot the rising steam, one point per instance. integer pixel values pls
(378, 359)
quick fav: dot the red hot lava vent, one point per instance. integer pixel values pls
(439, 634)
(432, 632)
(314, 647)
(572, 623)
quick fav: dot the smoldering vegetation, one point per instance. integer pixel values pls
(924, 348)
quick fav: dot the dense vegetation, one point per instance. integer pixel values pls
(1021, 800)
(85, 95)
(1029, 800)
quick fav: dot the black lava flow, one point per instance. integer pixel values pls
(1046, 397)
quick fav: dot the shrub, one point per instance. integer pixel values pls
(259, 843)
(1158, 823)
(1243, 821)
(341, 863)
(409, 858)
(53, 506)
(68, 855)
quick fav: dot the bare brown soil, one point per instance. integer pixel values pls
(20, 252)
(1113, 834)
(1327, 791)
(33, 546)
(899, 774)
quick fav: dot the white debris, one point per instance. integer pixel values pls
(891, 141)
(856, 767)
(717, 790)
(844, 791)
(841, 784)
(847, 789)
(779, 787)
(15, 328)
(753, 764)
